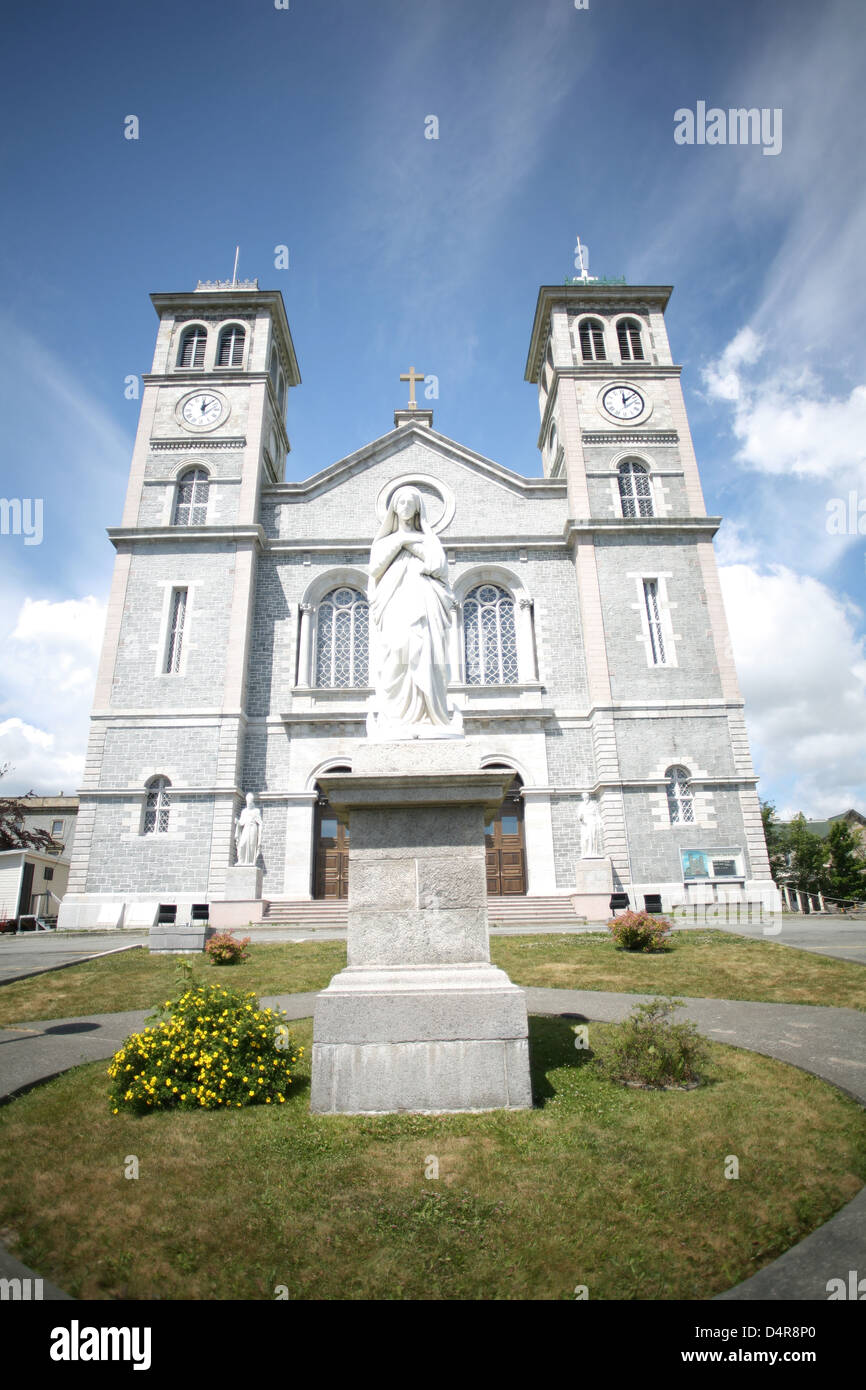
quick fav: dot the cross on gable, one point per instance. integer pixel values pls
(412, 376)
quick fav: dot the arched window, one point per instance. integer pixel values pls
(231, 348)
(635, 492)
(342, 640)
(273, 369)
(156, 806)
(680, 802)
(489, 636)
(591, 333)
(190, 508)
(281, 394)
(552, 441)
(630, 345)
(192, 346)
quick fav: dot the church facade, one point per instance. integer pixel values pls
(589, 650)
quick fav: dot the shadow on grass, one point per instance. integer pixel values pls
(551, 1046)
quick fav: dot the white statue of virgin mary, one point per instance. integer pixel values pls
(410, 614)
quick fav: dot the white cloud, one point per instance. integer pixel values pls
(802, 669)
(51, 651)
(783, 420)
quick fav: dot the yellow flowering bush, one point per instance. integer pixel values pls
(212, 1048)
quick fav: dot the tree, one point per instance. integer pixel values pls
(14, 834)
(808, 856)
(846, 872)
(777, 842)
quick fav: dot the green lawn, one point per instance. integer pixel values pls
(136, 979)
(619, 1190)
(699, 964)
(708, 964)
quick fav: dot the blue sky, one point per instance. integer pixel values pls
(305, 127)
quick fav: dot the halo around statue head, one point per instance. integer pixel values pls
(437, 497)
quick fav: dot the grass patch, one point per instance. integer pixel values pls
(700, 964)
(618, 1189)
(135, 979)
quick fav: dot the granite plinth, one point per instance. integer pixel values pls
(420, 1020)
(594, 876)
(243, 883)
(420, 1038)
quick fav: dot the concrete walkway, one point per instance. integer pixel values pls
(34, 953)
(829, 1043)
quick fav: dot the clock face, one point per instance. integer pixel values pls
(202, 410)
(623, 402)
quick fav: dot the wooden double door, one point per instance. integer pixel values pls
(505, 850)
(331, 874)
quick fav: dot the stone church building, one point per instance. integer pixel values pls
(589, 652)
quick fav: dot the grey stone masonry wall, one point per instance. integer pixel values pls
(186, 754)
(650, 743)
(207, 569)
(125, 861)
(656, 844)
(632, 677)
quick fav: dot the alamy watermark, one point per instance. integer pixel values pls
(737, 126)
(22, 516)
(847, 517)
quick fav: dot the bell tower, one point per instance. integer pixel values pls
(663, 691)
(170, 706)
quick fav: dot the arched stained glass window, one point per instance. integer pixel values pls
(190, 508)
(490, 637)
(342, 639)
(635, 491)
(680, 801)
(157, 806)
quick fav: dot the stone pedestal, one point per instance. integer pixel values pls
(420, 1020)
(243, 883)
(593, 885)
(242, 899)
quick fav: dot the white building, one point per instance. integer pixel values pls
(590, 651)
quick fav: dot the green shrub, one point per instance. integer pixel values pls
(225, 949)
(648, 1049)
(213, 1047)
(638, 931)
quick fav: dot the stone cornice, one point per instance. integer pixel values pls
(659, 438)
(702, 526)
(471, 716)
(200, 442)
(170, 535)
(361, 545)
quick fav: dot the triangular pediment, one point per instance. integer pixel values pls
(400, 441)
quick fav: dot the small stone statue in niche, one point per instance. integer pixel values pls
(248, 832)
(591, 838)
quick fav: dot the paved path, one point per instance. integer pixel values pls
(844, 938)
(830, 1043)
(36, 952)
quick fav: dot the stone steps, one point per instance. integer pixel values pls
(327, 914)
(552, 911)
